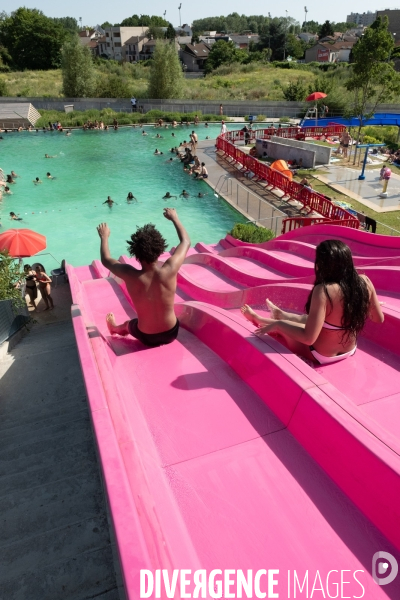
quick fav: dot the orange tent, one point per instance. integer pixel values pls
(282, 167)
(22, 242)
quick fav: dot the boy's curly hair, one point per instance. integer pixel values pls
(146, 244)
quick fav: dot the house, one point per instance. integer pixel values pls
(329, 52)
(116, 37)
(366, 18)
(307, 37)
(134, 47)
(149, 47)
(185, 29)
(89, 35)
(194, 56)
(243, 41)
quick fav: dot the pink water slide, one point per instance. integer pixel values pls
(225, 451)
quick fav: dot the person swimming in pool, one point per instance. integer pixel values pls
(47, 156)
(15, 217)
(167, 196)
(7, 190)
(37, 181)
(151, 288)
(157, 151)
(49, 176)
(109, 202)
(130, 197)
(185, 194)
(335, 313)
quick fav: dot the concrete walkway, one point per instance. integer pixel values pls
(54, 535)
(367, 191)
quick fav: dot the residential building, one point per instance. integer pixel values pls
(243, 41)
(307, 37)
(186, 29)
(89, 35)
(116, 37)
(394, 20)
(366, 18)
(194, 56)
(329, 52)
(134, 48)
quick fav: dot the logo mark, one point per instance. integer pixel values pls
(384, 568)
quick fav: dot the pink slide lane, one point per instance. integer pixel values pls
(225, 451)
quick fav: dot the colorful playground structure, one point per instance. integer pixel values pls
(223, 450)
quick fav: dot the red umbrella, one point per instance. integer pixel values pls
(315, 96)
(22, 242)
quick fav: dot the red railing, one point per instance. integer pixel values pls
(297, 222)
(306, 196)
(285, 132)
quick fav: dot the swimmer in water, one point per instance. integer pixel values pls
(200, 195)
(130, 197)
(158, 135)
(143, 132)
(157, 152)
(109, 202)
(36, 181)
(7, 190)
(10, 179)
(14, 175)
(15, 217)
(48, 156)
(185, 194)
(49, 176)
(167, 196)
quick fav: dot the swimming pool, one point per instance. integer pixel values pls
(91, 165)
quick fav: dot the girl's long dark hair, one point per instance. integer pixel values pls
(334, 264)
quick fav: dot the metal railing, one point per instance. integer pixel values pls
(258, 209)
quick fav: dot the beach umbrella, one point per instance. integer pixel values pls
(22, 242)
(313, 98)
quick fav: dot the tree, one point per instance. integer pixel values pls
(77, 69)
(310, 26)
(221, 53)
(106, 25)
(155, 33)
(295, 91)
(33, 40)
(68, 23)
(113, 86)
(170, 34)
(326, 29)
(166, 76)
(275, 38)
(373, 78)
(343, 27)
(11, 274)
(294, 46)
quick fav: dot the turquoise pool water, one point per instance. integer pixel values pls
(89, 166)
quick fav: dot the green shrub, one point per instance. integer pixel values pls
(370, 140)
(3, 88)
(284, 119)
(261, 118)
(11, 275)
(247, 232)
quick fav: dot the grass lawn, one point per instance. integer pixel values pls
(249, 82)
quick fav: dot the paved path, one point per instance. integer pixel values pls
(345, 180)
(54, 536)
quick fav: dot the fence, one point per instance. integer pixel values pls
(257, 208)
(308, 198)
(11, 319)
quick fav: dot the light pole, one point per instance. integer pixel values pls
(80, 22)
(286, 28)
(305, 18)
(179, 8)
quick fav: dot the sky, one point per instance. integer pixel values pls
(102, 10)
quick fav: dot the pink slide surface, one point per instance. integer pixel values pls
(226, 451)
